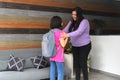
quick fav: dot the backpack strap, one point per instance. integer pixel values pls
(54, 30)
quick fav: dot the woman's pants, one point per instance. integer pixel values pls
(56, 67)
(80, 55)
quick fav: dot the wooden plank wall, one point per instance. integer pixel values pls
(23, 21)
(40, 22)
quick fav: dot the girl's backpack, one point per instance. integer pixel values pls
(48, 44)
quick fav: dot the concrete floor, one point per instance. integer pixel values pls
(93, 75)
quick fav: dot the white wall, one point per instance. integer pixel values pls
(105, 53)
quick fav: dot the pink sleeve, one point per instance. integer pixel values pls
(60, 34)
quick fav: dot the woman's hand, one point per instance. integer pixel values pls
(64, 35)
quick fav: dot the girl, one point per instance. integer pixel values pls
(57, 62)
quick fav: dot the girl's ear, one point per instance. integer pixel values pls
(62, 24)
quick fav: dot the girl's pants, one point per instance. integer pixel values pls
(56, 67)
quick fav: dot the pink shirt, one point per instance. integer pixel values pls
(59, 57)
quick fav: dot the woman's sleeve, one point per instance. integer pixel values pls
(66, 29)
(82, 27)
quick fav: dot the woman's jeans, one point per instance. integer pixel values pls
(56, 67)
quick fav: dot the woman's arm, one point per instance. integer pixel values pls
(66, 29)
(82, 27)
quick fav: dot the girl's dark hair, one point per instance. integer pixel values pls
(55, 22)
(75, 24)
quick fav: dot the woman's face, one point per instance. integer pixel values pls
(74, 15)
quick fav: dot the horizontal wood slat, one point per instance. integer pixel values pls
(18, 47)
(6, 43)
(24, 25)
(19, 44)
(88, 9)
(17, 18)
(100, 9)
(23, 31)
(43, 3)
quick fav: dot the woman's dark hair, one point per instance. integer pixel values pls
(55, 22)
(75, 24)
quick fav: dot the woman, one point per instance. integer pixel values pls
(78, 31)
(57, 61)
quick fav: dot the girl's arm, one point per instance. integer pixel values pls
(63, 41)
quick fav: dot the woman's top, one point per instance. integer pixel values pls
(80, 36)
(59, 57)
